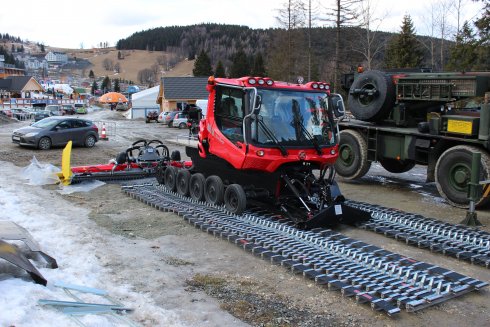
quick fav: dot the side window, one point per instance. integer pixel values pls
(65, 124)
(78, 124)
(229, 112)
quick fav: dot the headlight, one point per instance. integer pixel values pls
(31, 134)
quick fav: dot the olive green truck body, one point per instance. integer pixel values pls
(432, 119)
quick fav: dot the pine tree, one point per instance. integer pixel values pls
(91, 74)
(258, 68)
(94, 88)
(117, 88)
(240, 66)
(464, 55)
(202, 65)
(483, 50)
(106, 83)
(220, 70)
(404, 49)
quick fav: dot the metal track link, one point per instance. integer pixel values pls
(457, 241)
(387, 281)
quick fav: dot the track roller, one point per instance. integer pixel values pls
(196, 186)
(182, 181)
(235, 199)
(214, 190)
(170, 177)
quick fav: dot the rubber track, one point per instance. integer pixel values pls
(387, 281)
(458, 241)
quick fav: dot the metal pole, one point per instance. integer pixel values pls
(474, 191)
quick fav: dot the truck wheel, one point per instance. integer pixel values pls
(235, 199)
(352, 162)
(453, 173)
(183, 178)
(196, 187)
(397, 166)
(170, 176)
(372, 96)
(214, 190)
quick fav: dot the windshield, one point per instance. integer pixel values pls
(46, 123)
(293, 118)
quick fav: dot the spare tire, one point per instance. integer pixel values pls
(372, 96)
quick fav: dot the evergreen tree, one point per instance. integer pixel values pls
(464, 55)
(483, 50)
(258, 68)
(42, 48)
(94, 88)
(240, 66)
(220, 70)
(202, 65)
(106, 84)
(91, 74)
(404, 49)
(117, 87)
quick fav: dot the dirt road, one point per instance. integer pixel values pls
(181, 268)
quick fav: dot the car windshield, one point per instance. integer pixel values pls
(292, 118)
(46, 123)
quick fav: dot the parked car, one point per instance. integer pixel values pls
(152, 115)
(69, 109)
(180, 120)
(55, 110)
(169, 119)
(20, 114)
(121, 106)
(80, 108)
(57, 131)
(6, 112)
(45, 113)
(162, 115)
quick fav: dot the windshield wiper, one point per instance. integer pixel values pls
(308, 135)
(270, 135)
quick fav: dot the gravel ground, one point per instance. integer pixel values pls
(179, 267)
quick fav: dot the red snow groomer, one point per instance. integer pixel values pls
(266, 143)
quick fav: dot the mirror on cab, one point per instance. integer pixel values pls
(337, 104)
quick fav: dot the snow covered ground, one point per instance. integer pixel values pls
(65, 233)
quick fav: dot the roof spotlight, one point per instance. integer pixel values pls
(252, 81)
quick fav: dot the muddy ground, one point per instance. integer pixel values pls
(179, 267)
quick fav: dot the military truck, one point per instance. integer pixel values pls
(401, 119)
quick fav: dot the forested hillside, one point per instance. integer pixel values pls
(287, 54)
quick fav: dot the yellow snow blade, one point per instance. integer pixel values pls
(66, 173)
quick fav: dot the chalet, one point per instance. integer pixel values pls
(175, 92)
(19, 87)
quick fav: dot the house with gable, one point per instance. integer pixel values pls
(19, 87)
(175, 92)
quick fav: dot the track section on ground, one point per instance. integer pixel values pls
(387, 281)
(457, 241)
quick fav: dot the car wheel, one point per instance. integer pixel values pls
(44, 143)
(182, 125)
(90, 141)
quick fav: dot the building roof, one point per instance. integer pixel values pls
(17, 83)
(5, 84)
(184, 87)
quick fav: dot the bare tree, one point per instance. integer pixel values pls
(146, 76)
(345, 14)
(291, 17)
(108, 64)
(368, 44)
(443, 7)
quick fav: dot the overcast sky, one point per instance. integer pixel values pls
(71, 24)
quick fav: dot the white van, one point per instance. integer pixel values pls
(203, 104)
